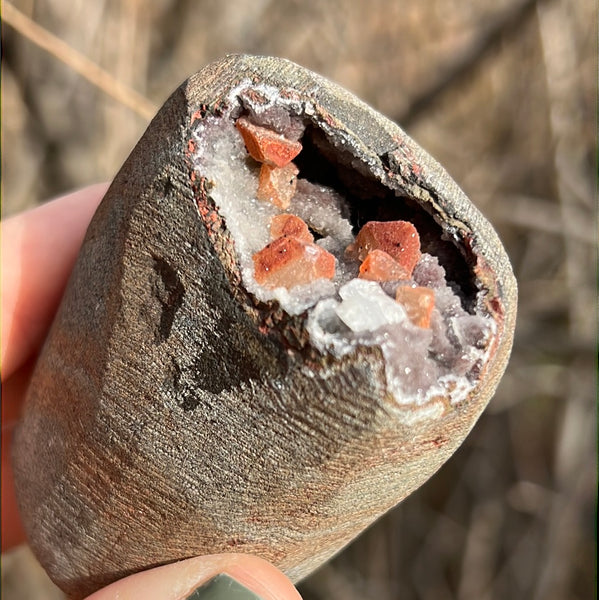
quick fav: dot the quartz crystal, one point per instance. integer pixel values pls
(418, 302)
(399, 239)
(288, 262)
(277, 184)
(291, 226)
(379, 266)
(267, 146)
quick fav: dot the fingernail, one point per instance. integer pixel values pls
(222, 587)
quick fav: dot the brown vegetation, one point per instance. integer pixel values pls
(502, 94)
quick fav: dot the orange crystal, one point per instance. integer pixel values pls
(399, 239)
(418, 302)
(291, 226)
(288, 262)
(267, 146)
(277, 185)
(379, 266)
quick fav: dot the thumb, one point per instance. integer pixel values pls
(213, 577)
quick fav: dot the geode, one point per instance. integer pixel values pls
(284, 318)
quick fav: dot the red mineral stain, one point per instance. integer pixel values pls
(379, 266)
(288, 262)
(399, 239)
(267, 146)
(197, 115)
(291, 226)
(277, 185)
(418, 302)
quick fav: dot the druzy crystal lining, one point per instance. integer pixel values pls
(364, 298)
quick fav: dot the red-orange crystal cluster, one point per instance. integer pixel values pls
(278, 174)
(387, 250)
(399, 239)
(292, 258)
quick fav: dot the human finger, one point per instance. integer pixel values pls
(13, 392)
(39, 248)
(213, 577)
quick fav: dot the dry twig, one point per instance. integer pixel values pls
(79, 63)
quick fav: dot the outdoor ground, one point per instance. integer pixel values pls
(504, 94)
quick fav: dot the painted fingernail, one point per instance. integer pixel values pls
(222, 587)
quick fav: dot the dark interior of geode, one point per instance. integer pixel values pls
(321, 161)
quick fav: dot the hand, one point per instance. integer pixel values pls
(39, 248)
(246, 578)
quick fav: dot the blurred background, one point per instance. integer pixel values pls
(504, 94)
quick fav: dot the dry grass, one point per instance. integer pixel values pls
(503, 93)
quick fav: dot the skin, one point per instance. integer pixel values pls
(39, 248)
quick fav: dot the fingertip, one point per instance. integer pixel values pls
(193, 579)
(263, 578)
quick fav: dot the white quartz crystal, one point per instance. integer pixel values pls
(365, 307)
